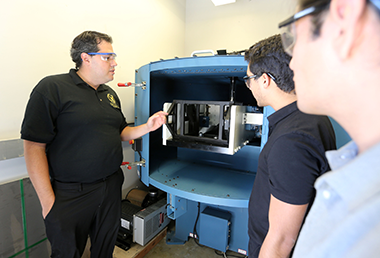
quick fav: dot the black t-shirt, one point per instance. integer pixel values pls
(81, 127)
(289, 164)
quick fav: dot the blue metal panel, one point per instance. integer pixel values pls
(239, 226)
(142, 115)
(205, 64)
(214, 228)
(177, 206)
(202, 183)
(342, 136)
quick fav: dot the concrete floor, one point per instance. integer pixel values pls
(187, 250)
(162, 250)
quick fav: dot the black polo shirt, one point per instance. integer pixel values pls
(289, 164)
(80, 125)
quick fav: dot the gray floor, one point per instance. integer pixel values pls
(189, 249)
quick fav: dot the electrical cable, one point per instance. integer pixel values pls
(195, 227)
(139, 152)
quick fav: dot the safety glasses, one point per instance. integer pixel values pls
(104, 56)
(247, 79)
(288, 29)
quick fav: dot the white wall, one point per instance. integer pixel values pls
(235, 26)
(36, 37)
(35, 42)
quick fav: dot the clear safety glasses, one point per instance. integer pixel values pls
(104, 56)
(288, 28)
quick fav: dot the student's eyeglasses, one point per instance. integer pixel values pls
(104, 56)
(247, 79)
(288, 29)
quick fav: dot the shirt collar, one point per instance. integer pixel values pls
(79, 81)
(281, 114)
(339, 158)
(357, 178)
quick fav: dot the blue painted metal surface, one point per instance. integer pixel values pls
(342, 136)
(192, 176)
(239, 228)
(141, 116)
(214, 228)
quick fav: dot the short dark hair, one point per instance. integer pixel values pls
(86, 42)
(268, 56)
(318, 17)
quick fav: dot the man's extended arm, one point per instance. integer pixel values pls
(285, 221)
(38, 170)
(153, 123)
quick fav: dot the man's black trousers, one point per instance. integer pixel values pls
(82, 210)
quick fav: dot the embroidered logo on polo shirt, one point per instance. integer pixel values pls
(112, 101)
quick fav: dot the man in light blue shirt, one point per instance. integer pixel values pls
(335, 46)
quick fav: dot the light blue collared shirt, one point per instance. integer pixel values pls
(344, 220)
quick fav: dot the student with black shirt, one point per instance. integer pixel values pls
(291, 160)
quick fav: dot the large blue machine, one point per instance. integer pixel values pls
(206, 157)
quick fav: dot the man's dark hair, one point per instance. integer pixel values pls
(318, 17)
(268, 56)
(86, 42)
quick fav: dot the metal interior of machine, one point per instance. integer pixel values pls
(198, 103)
(215, 126)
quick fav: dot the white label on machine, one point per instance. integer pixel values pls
(253, 118)
(125, 224)
(241, 251)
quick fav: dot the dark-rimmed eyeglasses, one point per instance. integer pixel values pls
(104, 56)
(247, 79)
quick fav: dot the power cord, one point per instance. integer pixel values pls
(195, 227)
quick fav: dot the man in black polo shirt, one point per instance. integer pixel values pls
(72, 131)
(292, 158)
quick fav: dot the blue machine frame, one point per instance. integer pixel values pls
(193, 178)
